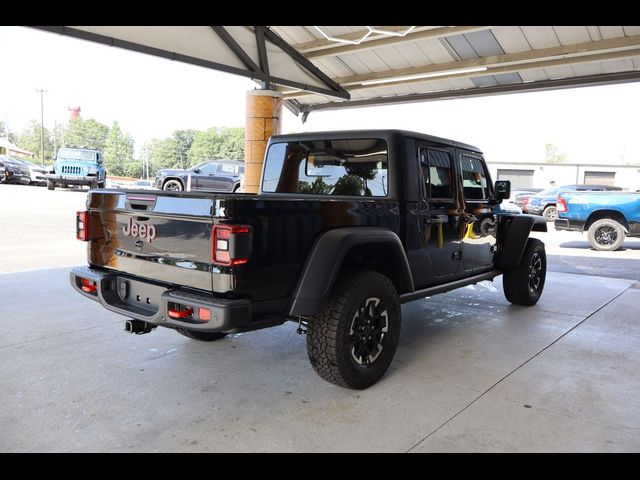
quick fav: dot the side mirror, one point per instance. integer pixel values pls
(502, 189)
(196, 170)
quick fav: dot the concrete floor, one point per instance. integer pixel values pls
(471, 373)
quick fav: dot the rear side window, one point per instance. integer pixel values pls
(226, 168)
(474, 178)
(338, 167)
(438, 175)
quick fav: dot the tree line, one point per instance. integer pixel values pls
(184, 148)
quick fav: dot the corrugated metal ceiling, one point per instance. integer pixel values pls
(392, 64)
(522, 57)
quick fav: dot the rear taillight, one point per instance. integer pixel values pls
(82, 226)
(89, 286)
(231, 244)
(561, 205)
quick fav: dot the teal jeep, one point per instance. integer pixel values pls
(77, 166)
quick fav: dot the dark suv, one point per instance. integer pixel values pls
(544, 203)
(212, 175)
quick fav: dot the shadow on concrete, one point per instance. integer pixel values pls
(585, 245)
(626, 268)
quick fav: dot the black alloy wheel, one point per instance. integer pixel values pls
(368, 332)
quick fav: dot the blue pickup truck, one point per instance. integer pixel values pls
(607, 217)
(544, 203)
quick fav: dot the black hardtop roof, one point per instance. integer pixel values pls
(343, 134)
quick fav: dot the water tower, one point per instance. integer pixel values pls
(74, 112)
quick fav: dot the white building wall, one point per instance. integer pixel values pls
(544, 174)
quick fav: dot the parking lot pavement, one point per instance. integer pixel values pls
(38, 227)
(467, 369)
(472, 372)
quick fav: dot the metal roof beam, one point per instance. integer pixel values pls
(262, 49)
(338, 91)
(514, 68)
(236, 49)
(339, 49)
(613, 44)
(557, 84)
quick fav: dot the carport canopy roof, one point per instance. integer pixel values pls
(325, 67)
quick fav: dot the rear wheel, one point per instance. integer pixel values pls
(202, 336)
(606, 234)
(523, 285)
(550, 213)
(173, 185)
(51, 185)
(353, 342)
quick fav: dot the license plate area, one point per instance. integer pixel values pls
(139, 295)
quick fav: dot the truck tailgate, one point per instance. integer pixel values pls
(162, 236)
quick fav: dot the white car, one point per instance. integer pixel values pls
(141, 185)
(36, 172)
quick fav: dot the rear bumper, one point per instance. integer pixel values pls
(153, 302)
(567, 224)
(73, 179)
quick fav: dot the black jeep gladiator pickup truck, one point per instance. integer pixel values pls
(347, 226)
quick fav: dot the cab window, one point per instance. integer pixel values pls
(474, 178)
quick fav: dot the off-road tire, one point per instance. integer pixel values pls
(614, 235)
(51, 185)
(202, 336)
(329, 339)
(550, 213)
(521, 285)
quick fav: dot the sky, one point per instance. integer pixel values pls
(151, 97)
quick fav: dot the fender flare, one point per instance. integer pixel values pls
(513, 233)
(326, 257)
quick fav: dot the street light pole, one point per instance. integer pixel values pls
(41, 90)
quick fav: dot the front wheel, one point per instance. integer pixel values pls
(550, 213)
(172, 185)
(353, 342)
(606, 234)
(523, 285)
(51, 185)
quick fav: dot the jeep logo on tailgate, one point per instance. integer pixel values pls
(145, 232)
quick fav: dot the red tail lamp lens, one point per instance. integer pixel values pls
(223, 237)
(82, 226)
(89, 286)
